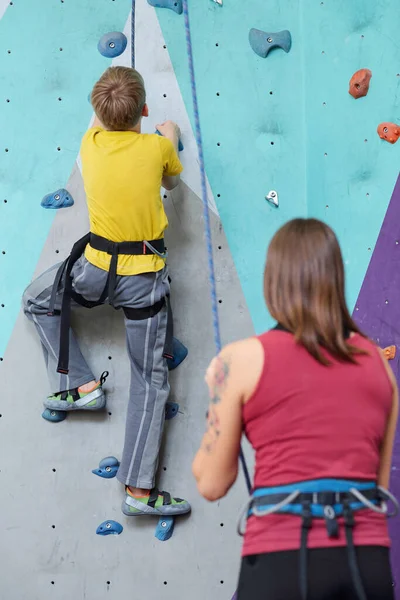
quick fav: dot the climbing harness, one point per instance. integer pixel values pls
(114, 249)
(327, 499)
(206, 210)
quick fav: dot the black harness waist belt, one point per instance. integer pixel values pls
(133, 248)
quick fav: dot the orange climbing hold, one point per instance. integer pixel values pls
(359, 83)
(389, 132)
(389, 352)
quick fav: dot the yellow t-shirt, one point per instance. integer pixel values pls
(122, 173)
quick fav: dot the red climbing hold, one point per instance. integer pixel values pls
(389, 132)
(359, 83)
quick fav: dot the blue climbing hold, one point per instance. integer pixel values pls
(165, 528)
(54, 416)
(171, 410)
(179, 352)
(109, 528)
(112, 44)
(109, 461)
(175, 5)
(108, 467)
(59, 199)
(180, 147)
(262, 42)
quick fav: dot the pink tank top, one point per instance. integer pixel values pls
(307, 421)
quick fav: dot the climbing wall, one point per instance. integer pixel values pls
(284, 123)
(51, 503)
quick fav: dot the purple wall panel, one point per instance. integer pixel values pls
(377, 312)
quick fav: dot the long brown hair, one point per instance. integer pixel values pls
(304, 288)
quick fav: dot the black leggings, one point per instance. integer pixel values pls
(275, 575)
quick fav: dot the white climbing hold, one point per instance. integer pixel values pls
(220, 2)
(272, 197)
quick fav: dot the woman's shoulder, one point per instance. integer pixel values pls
(245, 360)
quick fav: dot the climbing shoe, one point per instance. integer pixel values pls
(155, 503)
(76, 400)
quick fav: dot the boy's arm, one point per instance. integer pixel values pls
(172, 132)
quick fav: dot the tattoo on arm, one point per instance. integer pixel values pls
(213, 431)
(220, 379)
(217, 386)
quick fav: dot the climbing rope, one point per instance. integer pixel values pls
(133, 35)
(206, 210)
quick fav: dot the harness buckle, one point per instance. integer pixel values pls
(348, 514)
(306, 514)
(112, 247)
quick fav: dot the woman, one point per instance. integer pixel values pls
(319, 404)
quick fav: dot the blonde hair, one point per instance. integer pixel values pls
(118, 98)
(304, 288)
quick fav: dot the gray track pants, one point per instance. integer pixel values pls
(149, 388)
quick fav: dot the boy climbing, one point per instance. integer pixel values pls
(122, 263)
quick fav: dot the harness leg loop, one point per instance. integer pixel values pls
(306, 525)
(351, 552)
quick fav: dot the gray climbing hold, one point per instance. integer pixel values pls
(112, 44)
(59, 199)
(272, 198)
(263, 41)
(175, 5)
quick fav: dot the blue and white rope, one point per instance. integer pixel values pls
(133, 34)
(206, 210)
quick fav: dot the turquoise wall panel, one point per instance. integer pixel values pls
(320, 163)
(257, 118)
(47, 52)
(351, 187)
